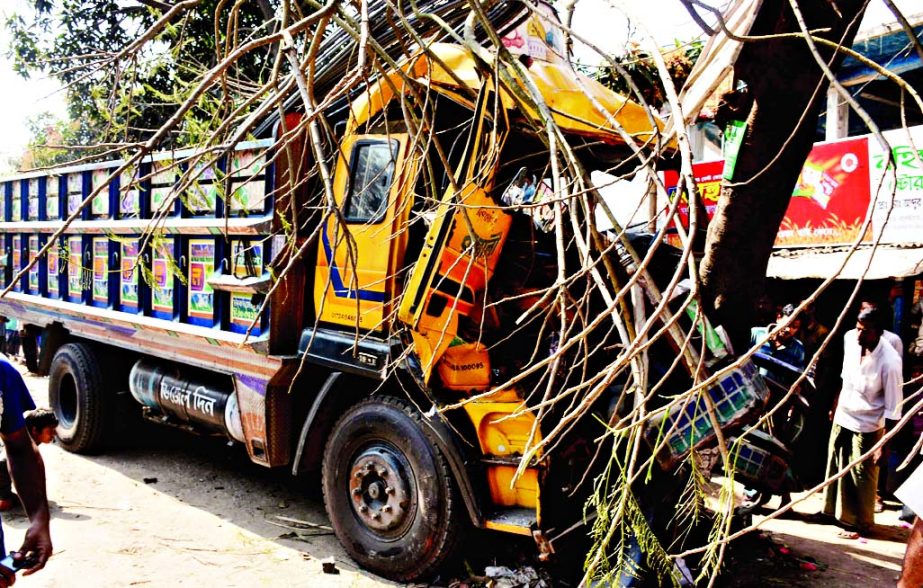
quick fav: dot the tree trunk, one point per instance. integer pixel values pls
(788, 90)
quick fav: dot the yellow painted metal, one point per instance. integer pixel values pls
(465, 368)
(502, 435)
(578, 104)
(507, 528)
(461, 248)
(356, 263)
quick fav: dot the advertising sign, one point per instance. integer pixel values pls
(74, 192)
(129, 274)
(161, 184)
(248, 262)
(100, 204)
(130, 194)
(34, 270)
(249, 186)
(201, 265)
(203, 193)
(162, 291)
(831, 197)
(17, 260)
(53, 270)
(17, 200)
(901, 185)
(75, 267)
(708, 177)
(33, 199)
(101, 270)
(52, 198)
(829, 203)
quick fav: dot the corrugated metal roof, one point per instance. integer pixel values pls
(874, 264)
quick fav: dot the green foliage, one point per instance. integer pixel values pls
(643, 71)
(48, 135)
(128, 97)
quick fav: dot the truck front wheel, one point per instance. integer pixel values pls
(75, 392)
(388, 491)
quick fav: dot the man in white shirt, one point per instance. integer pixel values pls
(872, 378)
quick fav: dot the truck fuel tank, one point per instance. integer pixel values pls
(164, 389)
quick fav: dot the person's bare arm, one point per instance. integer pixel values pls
(28, 472)
(912, 575)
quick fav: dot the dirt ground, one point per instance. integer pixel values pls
(177, 510)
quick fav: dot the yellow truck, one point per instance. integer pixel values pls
(361, 314)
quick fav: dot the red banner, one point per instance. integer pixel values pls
(828, 205)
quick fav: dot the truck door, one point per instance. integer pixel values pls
(359, 252)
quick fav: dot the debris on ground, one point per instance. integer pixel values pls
(763, 556)
(329, 565)
(150, 480)
(505, 577)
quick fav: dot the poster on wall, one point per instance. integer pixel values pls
(201, 266)
(101, 270)
(53, 270)
(901, 187)
(162, 292)
(74, 267)
(129, 274)
(248, 262)
(100, 204)
(34, 270)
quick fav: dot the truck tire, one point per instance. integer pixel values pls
(76, 394)
(389, 492)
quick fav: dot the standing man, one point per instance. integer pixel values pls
(871, 392)
(28, 473)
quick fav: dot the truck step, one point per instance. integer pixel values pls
(512, 520)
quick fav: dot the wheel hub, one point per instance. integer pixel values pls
(379, 488)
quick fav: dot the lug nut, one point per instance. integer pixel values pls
(376, 516)
(359, 474)
(357, 491)
(383, 473)
(389, 490)
(386, 508)
(363, 509)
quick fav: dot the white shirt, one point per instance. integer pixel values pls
(871, 386)
(895, 341)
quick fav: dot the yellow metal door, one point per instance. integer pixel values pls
(355, 275)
